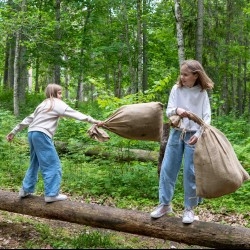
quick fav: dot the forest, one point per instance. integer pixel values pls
(119, 52)
(110, 53)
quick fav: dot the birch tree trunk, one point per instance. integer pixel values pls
(144, 48)
(199, 31)
(139, 45)
(16, 75)
(132, 73)
(80, 84)
(179, 30)
(57, 68)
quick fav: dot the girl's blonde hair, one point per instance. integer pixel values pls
(196, 68)
(51, 92)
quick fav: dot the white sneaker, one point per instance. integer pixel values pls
(161, 210)
(188, 216)
(22, 193)
(59, 197)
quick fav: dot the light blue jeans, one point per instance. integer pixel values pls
(43, 156)
(176, 149)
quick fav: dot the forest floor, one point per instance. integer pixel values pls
(16, 230)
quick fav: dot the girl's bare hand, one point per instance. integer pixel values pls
(182, 112)
(10, 137)
(193, 140)
(100, 124)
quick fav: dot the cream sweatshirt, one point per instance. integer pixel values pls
(190, 99)
(47, 121)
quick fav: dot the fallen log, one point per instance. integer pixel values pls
(120, 154)
(130, 221)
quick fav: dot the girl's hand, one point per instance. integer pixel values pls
(10, 137)
(181, 112)
(100, 124)
(192, 140)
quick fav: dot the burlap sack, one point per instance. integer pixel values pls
(142, 121)
(175, 121)
(98, 134)
(217, 169)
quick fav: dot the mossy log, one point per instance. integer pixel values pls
(198, 233)
(121, 154)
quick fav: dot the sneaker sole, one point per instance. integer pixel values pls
(159, 216)
(23, 196)
(156, 217)
(187, 222)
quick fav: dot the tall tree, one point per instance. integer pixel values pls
(199, 31)
(19, 89)
(58, 35)
(145, 47)
(179, 31)
(138, 86)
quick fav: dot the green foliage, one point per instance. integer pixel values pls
(237, 131)
(114, 180)
(6, 99)
(109, 102)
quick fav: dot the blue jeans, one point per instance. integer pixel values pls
(43, 156)
(176, 148)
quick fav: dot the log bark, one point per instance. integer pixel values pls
(130, 221)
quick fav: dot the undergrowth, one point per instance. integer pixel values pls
(130, 185)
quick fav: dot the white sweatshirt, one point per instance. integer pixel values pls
(190, 99)
(46, 121)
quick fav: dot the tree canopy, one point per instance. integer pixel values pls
(118, 51)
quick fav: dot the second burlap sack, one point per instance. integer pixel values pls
(217, 169)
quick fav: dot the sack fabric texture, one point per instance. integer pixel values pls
(217, 169)
(141, 121)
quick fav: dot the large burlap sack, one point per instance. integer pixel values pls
(217, 169)
(142, 121)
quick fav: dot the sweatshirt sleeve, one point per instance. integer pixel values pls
(206, 115)
(171, 108)
(71, 113)
(23, 124)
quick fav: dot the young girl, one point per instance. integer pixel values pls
(42, 125)
(189, 94)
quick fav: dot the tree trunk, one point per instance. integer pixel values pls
(144, 48)
(130, 221)
(82, 58)
(179, 30)
(16, 74)
(199, 33)
(58, 36)
(139, 46)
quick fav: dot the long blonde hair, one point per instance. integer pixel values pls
(196, 68)
(51, 92)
